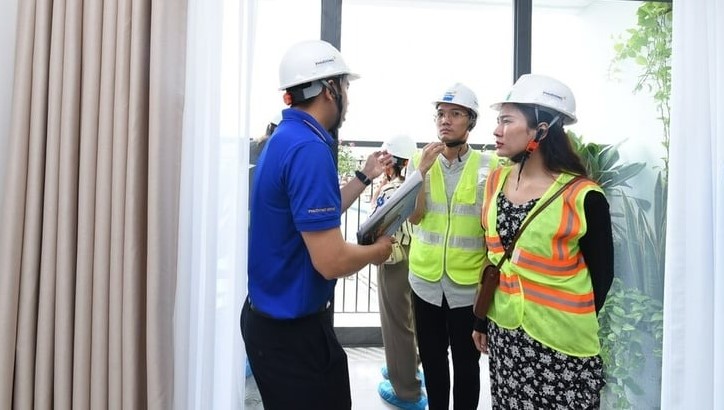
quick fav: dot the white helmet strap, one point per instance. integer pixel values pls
(337, 98)
(556, 116)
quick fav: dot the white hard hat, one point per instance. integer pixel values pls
(400, 146)
(545, 92)
(276, 119)
(461, 95)
(311, 60)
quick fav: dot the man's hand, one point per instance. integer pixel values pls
(429, 155)
(384, 244)
(376, 164)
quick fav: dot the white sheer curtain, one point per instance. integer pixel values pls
(693, 359)
(8, 21)
(209, 351)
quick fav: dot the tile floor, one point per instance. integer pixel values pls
(364, 369)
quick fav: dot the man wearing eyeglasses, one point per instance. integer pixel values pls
(446, 252)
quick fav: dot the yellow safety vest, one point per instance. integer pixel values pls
(450, 238)
(545, 287)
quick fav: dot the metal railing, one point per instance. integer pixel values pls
(357, 293)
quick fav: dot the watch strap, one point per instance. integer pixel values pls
(362, 177)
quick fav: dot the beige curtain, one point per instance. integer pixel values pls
(88, 225)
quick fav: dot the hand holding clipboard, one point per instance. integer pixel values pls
(386, 219)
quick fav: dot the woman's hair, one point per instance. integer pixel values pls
(556, 149)
(397, 167)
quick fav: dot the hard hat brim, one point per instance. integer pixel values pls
(436, 103)
(350, 77)
(568, 118)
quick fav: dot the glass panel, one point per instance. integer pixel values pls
(279, 24)
(576, 42)
(409, 52)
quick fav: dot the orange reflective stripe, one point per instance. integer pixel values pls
(494, 244)
(564, 301)
(547, 266)
(509, 284)
(570, 220)
(490, 186)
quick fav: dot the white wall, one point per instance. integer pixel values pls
(8, 19)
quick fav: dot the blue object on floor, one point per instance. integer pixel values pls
(420, 375)
(388, 394)
(248, 368)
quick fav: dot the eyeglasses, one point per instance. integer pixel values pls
(452, 114)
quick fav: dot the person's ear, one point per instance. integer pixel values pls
(333, 88)
(542, 131)
(329, 93)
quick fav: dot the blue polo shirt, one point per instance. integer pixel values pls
(295, 190)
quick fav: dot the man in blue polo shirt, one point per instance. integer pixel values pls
(296, 247)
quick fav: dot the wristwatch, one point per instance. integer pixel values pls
(362, 177)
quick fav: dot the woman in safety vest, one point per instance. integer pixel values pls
(542, 328)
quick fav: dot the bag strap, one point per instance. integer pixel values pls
(509, 250)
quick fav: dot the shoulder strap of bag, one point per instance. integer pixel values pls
(509, 250)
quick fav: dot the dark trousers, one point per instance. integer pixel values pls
(297, 363)
(438, 327)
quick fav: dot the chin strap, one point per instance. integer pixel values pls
(454, 144)
(337, 100)
(458, 143)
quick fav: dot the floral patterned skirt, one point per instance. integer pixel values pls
(524, 374)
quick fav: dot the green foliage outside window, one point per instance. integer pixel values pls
(631, 331)
(649, 46)
(347, 163)
(631, 321)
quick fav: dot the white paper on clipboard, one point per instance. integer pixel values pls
(388, 218)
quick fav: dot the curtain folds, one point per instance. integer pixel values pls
(89, 216)
(8, 18)
(693, 365)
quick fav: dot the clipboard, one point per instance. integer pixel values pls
(388, 218)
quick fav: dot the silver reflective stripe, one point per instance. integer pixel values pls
(460, 242)
(553, 299)
(436, 208)
(466, 242)
(495, 243)
(511, 284)
(468, 210)
(428, 237)
(457, 209)
(570, 268)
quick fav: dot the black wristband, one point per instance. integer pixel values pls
(481, 325)
(362, 177)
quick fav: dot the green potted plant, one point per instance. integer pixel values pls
(632, 320)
